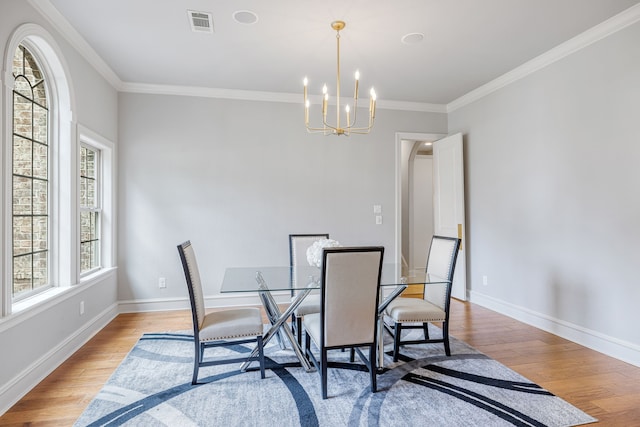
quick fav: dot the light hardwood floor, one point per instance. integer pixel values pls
(604, 387)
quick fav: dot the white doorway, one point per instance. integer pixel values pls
(421, 220)
(421, 181)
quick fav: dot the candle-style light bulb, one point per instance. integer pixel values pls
(325, 99)
(324, 89)
(306, 111)
(357, 74)
(348, 109)
(373, 103)
(355, 92)
(305, 82)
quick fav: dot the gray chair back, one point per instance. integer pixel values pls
(194, 284)
(441, 262)
(350, 293)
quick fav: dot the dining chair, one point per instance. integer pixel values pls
(219, 328)
(298, 245)
(350, 282)
(434, 305)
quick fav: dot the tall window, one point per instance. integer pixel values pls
(89, 209)
(30, 179)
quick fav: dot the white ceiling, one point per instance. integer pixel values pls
(467, 44)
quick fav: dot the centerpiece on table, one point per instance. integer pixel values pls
(314, 252)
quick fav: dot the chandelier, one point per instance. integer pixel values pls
(350, 126)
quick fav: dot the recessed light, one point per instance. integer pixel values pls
(245, 17)
(412, 38)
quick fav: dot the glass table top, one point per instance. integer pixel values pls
(287, 278)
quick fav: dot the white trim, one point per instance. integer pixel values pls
(248, 95)
(214, 301)
(592, 35)
(61, 106)
(610, 346)
(58, 295)
(22, 383)
(411, 106)
(600, 31)
(55, 18)
(108, 191)
(5, 189)
(400, 136)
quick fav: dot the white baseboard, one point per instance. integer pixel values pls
(22, 383)
(614, 347)
(169, 304)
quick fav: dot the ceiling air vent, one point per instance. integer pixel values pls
(201, 22)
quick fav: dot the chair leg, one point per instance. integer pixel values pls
(425, 328)
(196, 362)
(299, 329)
(352, 354)
(261, 355)
(445, 336)
(373, 369)
(323, 372)
(397, 331)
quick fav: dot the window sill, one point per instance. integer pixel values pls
(38, 299)
(36, 304)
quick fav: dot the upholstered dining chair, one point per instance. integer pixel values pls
(219, 328)
(416, 313)
(350, 282)
(298, 245)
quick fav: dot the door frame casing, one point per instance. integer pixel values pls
(400, 136)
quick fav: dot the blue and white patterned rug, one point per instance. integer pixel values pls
(152, 387)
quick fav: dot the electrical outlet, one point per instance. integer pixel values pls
(81, 307)
(378, 219)
(162, 283)
(485, 280)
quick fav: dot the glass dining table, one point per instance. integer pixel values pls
(299, 281)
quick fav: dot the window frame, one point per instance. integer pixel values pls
(41, 67)
(61, 142)
(96, 208)
(106, 199)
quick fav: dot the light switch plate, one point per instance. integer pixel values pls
(377, 209)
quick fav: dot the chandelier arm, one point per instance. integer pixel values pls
(367, 128)
(355, 113)
(323, 129)
(360, 131)
(320, 130)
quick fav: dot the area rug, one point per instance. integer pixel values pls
(152, 387)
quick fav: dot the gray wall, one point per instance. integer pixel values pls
(236, 177)
(552, 175)
(36, 341)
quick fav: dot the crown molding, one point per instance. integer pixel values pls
(207, 92)
(600, 31)
(592, 35)
(55, 18)
(247, 95)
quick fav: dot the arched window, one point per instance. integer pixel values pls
(30, 176)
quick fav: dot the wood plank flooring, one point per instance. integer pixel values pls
(606, 388)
